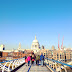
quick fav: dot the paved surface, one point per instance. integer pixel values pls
(39, 69)
(34, 68)
(24, 68)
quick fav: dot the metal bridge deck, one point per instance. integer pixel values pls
(39, 69)
(34, 68)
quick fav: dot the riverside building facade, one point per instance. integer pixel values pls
(56, 54)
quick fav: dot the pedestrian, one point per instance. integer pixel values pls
(37, 60)
(42, 59)
(28, 59)
(33, 58)
(25, 58)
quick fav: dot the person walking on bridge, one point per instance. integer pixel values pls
(28, 59)
(33, 58)
(42, 59)
(37, 59)
(25, 58)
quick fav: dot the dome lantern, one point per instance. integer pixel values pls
(35, 37)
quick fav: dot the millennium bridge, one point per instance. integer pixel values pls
(19, 65)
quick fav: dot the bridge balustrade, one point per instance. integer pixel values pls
(53, 65)
(10, 65)
(56, 66)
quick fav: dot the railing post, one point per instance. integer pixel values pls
(65, 69)
(4, 66)
(59, 68)
(53, 66)
(56, 66)
(9, 66)
(13, 64)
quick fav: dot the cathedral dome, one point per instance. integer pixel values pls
(35, 45)
(35, 41)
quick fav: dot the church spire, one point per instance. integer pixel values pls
(35, 37)
(19, 46)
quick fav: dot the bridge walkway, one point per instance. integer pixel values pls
(26, 68)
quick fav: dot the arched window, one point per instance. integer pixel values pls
(57, 56)
(3, 48)
(35, 46)
(60, 56)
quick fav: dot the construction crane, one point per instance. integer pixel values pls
(62, 43)
(58, 40)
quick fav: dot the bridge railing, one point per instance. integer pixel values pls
(56, 66)
(11, 64)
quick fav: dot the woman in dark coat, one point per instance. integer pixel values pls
(33, 59)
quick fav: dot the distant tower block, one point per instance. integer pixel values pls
(19, 46)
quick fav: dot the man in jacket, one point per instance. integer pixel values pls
(42, 59)
(37, 59)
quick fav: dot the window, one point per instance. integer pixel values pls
(60, 56)
(32, 45)
(57, 56)
(3, 48)
(44, 53)
(23, 52)
(35, 45)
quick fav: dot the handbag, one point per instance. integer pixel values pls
(32, 59)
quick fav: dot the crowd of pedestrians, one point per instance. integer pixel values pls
(32, 58)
